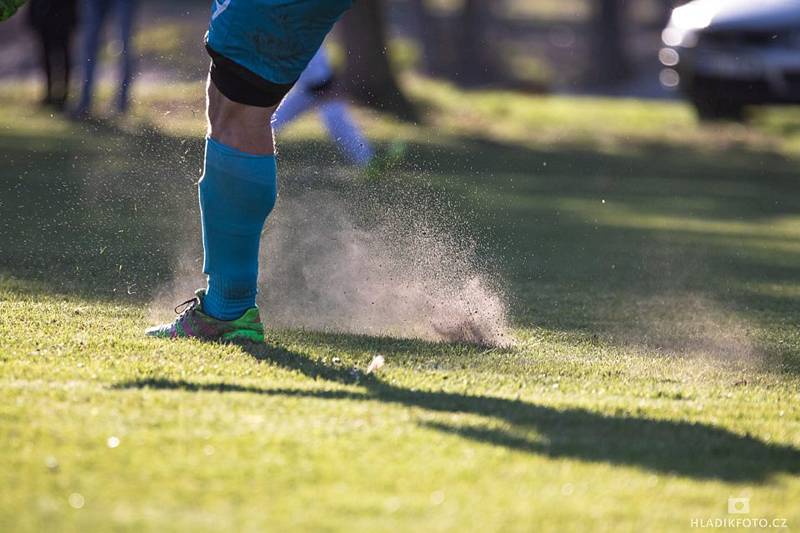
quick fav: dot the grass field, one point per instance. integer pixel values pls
(653, 273)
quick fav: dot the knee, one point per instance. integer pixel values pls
(243, 127)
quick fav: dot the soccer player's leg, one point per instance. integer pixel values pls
(298, 101)
(307, 92)
(258, 50)
(345, 132)
(94, 14)
(237, 191)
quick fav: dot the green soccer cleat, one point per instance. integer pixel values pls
(386, 161)
(193, 322)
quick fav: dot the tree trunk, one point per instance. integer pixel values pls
(433, 39)
(477, 61)
(608, 61)
(368, 76)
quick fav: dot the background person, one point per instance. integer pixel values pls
(53, 22)
(94, 15)
(314, 90)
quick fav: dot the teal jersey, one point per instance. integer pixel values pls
(275, 39)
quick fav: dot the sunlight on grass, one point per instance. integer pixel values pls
(652, 268)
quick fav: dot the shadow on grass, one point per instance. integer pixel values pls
(189, 386)
(99, 212)
(692, 450)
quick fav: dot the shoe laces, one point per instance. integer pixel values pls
(182, 309)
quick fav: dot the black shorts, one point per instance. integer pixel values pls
(242, 85)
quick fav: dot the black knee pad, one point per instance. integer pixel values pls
(243, 86)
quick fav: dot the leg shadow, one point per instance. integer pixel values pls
(693, 450)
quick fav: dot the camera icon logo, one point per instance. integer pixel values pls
(738, 505)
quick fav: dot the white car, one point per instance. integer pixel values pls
(726, 54)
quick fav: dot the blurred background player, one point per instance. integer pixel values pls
(93, 16)
(53, 22)
(315, 89)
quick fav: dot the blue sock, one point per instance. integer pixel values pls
(237, 192)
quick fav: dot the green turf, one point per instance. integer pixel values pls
(654, 273)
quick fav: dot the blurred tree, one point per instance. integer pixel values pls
(459, 46)
(477, 58)
(368, 75)
(432, 36)
(608, 61)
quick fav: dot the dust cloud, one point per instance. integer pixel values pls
(672, 312)
(334, 259)
(691, 324)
